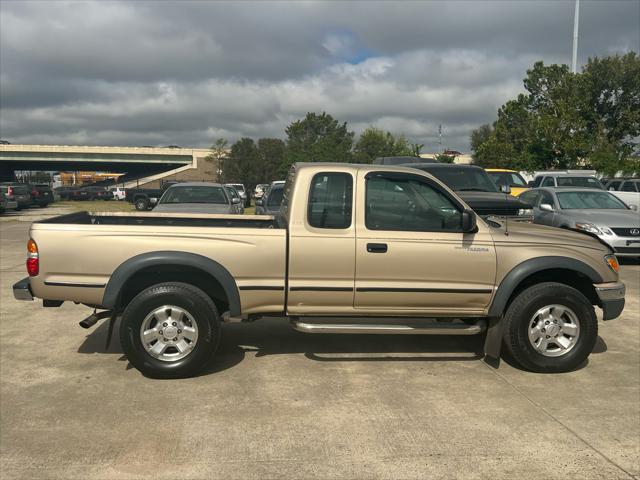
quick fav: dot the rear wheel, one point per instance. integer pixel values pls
(550, 327)
(170, 330)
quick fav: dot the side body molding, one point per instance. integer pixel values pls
(163, 258)
(529, 267)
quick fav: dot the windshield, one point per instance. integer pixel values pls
(512, 179)
(464, 179)
(588, 182)
(275, 196)
(238, 186)
(589, 201)
(199, 194)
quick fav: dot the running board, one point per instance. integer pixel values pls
(425, 329)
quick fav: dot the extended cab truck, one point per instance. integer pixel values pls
(370, 248)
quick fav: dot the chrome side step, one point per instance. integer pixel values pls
(425, 329)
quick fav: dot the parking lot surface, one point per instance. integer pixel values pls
(276, 403)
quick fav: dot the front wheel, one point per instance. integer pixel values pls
(550, 328)
(170, 330)
(142, 204)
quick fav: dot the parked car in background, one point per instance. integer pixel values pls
(7, 200)
(41, 195)
(592, 211)
(118, 193)
(146, 198)
(270, 203)
(21, 193)
(511, 178)
(258, 192)
(566, 178)
(233, 193)
(627, 190)
(246, 201)
(65, 192)
(197, 197)
(475, 187)
(97, 193)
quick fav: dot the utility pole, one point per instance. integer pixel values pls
(576, 16)
(440, 136)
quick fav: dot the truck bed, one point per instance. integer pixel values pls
(167, 219)
(79, 252)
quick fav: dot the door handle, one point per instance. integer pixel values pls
(377, 247)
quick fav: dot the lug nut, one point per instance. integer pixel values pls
(179, 331)
(547, 322)
(174, 324)
(548, 336)
(165, 324)
(175, 339)
(165, 340)
(542, 330)
(555, 321)
(160, 332)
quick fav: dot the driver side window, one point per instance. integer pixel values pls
(409, 204)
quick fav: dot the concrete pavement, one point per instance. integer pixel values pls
(276, 403)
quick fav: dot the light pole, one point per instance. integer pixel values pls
(576, 16)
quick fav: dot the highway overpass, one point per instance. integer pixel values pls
(144, 164)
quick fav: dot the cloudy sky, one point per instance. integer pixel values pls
(185, 73)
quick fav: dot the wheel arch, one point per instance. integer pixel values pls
(564, 270)
(174, 266)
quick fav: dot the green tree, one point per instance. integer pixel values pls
(443, 158)
(416, 148)
(271, 152)
(568, 120)
(242, 165)
(216, 158)
(317, 138)
(374, 143)
(479, 136)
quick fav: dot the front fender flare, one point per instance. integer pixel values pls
(493, 340)
(163, 258)
(511, 281)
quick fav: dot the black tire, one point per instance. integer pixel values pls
(520, 314)
(142, 204)
(193, 300)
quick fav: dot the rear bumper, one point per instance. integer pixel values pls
(22, 290)
(611, 297)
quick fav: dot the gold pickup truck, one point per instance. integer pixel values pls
(367, 249)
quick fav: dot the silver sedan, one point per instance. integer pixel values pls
(589, 210)
(197, 197)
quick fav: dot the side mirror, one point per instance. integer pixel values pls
(258, 203)
(505, 189)
(545, 207)
(235, 201)
(469, 222)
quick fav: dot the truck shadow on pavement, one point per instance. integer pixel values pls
(274, 336)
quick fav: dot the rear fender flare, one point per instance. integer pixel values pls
(162, 258)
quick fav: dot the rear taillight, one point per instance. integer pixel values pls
(33, 260)
(35, 193)
(10, 191)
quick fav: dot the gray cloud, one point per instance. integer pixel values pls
(145, 73)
